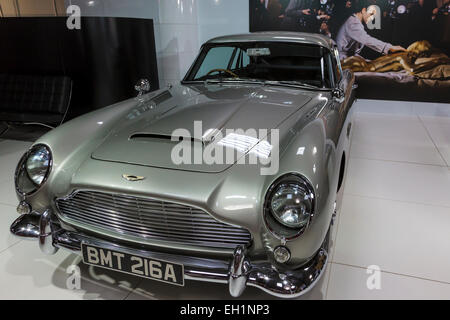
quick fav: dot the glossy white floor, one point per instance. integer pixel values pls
(395, 215)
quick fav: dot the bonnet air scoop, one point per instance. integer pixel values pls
(155, 137)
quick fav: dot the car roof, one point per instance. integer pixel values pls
(280, 36)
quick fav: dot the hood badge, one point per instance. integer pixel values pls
(130, 177)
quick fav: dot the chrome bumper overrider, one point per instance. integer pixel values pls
(237, 273)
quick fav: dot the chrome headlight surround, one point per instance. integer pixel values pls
(27, 182)
(276, 225)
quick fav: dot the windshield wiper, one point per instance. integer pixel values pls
(220, 80)
(292, 84)
(296, 84)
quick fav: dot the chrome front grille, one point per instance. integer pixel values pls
(150, 219)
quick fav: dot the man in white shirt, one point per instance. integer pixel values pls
(352, 37)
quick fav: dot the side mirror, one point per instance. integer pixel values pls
(338, 94)
(142, 87)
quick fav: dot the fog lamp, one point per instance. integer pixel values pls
(23, 208)
(281, 254)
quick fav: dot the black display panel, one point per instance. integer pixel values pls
(105, 58)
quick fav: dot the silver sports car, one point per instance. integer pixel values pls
(231, 176)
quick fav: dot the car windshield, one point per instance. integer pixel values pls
(275, 62)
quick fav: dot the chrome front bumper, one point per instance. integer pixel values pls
(238, 273)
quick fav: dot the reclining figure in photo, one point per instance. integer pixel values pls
(418, 58)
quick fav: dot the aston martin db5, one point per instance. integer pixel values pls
(230, 176)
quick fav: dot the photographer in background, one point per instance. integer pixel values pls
(267, 14)
(299, 16)
(421, 13)
(260, 17)
(441, 25)
(442, 8)
(308, 16)
(323, 16)
(341, 11)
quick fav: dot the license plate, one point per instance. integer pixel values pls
(135, 265)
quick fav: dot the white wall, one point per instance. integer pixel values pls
(222, 17)
(181, 26)
(179, 43)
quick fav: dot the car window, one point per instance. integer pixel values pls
(216, 58)
(272, 61)
(337, 65)
(326, 72)
(241, 59)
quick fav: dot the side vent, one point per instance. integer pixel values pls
(162, 97)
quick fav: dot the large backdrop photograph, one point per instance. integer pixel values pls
(398, 49)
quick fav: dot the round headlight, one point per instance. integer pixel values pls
(33, 169)
(289, 206)
(38, 164)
